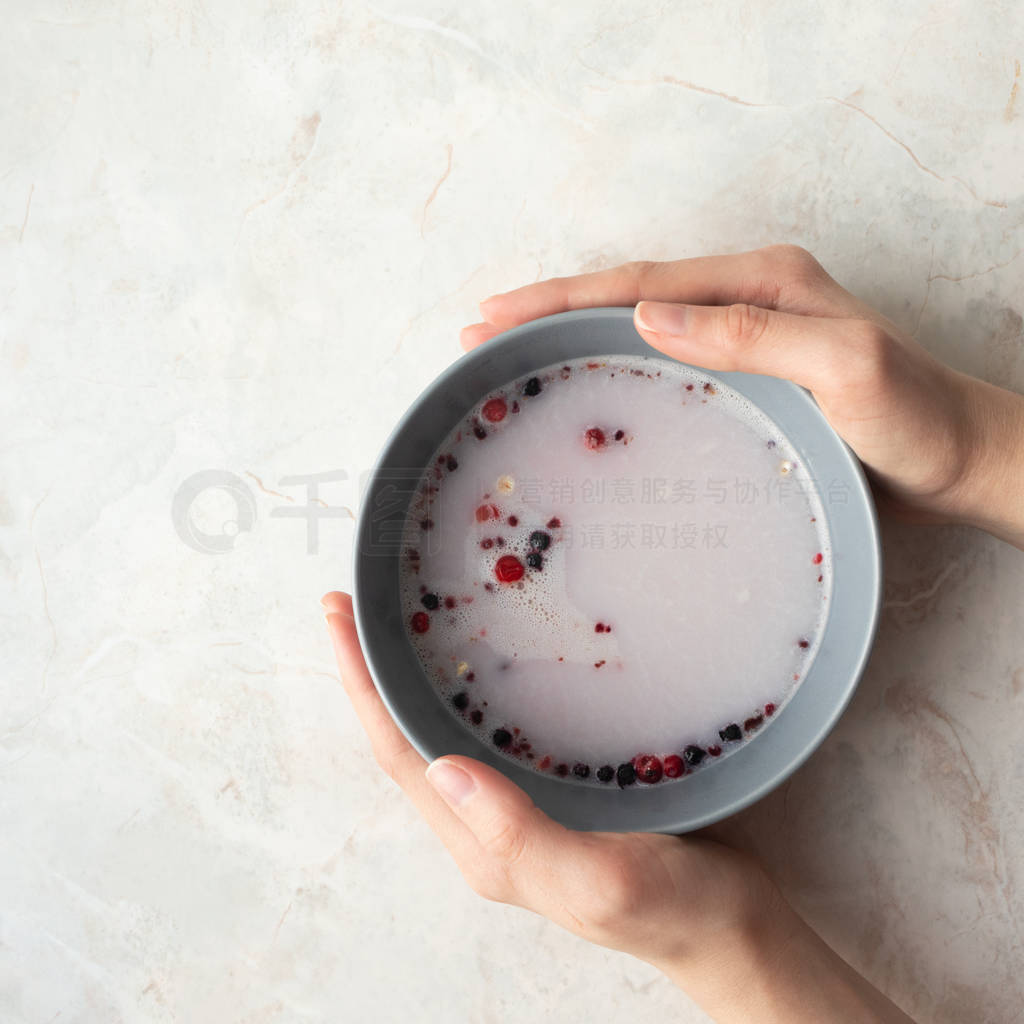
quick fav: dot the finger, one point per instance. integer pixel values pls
(394, 753)
(477, 334)
(515, 837)
(823, 354)
(783, 277)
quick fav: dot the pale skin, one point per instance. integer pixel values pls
(939, 447)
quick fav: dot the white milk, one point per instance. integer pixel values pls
(695, 536)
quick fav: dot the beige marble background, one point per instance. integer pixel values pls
(242, 236)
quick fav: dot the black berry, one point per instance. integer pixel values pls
(693, 755)
(580, 770)
(478, 432)
(501, 737)
(534, 560)
(460, 701)
(605, 773)
(429, 601)
(562, 770)
(625, 774)
(731, 732)
(476, 716)
(452, 463)
(532, 387)
(540, 540)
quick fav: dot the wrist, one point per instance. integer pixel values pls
(726, 972)
(774, 969)
(991, 493)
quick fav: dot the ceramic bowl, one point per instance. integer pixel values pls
(719, 789)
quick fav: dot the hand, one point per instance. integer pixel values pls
(655, 896)
(705, 914)
(939, 446)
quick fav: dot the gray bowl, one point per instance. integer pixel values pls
(720, 789)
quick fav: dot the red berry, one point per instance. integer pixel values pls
(494, 410)
(817, 559)
(554, 523)
(487, 543)
(769, 709)
(673, 766)
(509, 569)
(648, 768)
(619, 435)
(715, 750)
(594, 438)
(803, 644)
(513, 520)
(420, 622)
(485, 512)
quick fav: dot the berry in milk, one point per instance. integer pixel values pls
(615, 570)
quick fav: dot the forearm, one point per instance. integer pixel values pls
(992, 497)
(780, 972)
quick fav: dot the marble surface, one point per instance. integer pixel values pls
(241, 238)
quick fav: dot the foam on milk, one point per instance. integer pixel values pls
(713, 604)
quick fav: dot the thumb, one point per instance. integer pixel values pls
(510, 828)
(819, 353)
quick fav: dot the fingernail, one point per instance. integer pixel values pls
(454, 784)
(662, 317)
